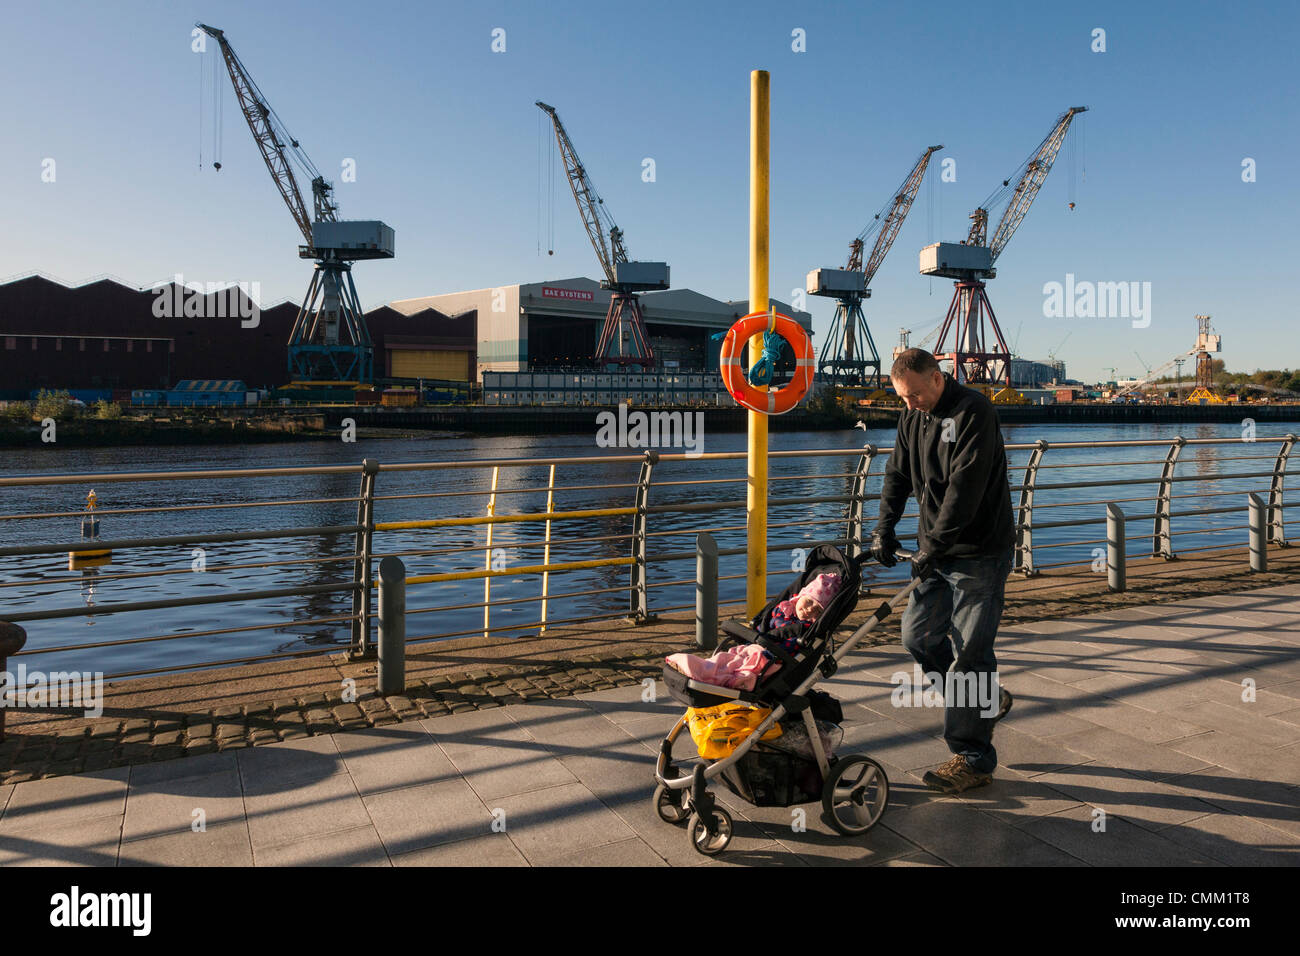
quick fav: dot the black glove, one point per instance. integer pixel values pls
(922, 564)
(883, 546)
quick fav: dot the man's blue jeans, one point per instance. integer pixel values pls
(951, 620)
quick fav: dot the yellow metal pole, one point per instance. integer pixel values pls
(756, 496)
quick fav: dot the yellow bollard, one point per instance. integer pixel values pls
(756, 489)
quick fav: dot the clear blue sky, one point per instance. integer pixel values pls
(445, 138)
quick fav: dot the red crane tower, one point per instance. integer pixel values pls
(970, 263)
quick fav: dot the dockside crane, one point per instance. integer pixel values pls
(623, 340)
(844, 356)
(971, 264)
(330, 342)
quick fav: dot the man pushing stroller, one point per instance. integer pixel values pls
(949, 454)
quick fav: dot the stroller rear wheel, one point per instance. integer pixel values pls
(710, 838)
(855, 795)
(670, 805)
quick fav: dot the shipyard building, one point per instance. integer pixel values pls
(556, 324)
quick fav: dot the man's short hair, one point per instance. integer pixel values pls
(913, 360)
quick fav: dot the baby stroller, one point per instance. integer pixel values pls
(854, 790)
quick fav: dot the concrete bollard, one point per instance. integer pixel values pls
(392, 627)
(1115, 568)
(1258, 528)
(706, 591)
(12, 639)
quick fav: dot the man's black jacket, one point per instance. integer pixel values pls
(954, 461)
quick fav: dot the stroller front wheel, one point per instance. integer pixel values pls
(670, 805)
(855, 794)
(710, 838)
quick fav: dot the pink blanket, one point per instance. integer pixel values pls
(737, 667)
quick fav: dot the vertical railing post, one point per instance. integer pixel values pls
(638, 597)
(546, 550)
(1024, 556)
(1162, 545)
(1276, 526)
(392, 626)
(1116, 565)
(706, 591)
(857, 506)
(1258, 533)
(362, 573)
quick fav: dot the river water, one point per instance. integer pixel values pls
(44, 582)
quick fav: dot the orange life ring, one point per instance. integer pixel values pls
(768, 401)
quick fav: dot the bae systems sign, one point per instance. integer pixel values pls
(552, 292)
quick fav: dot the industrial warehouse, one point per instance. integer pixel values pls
(537, 342)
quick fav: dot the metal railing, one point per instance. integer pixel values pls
(648, 548)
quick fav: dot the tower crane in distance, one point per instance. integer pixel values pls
(844, 358)
(971, 264)
(330, 342)
(623, 340)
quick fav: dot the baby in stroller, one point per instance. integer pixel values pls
(788, 624)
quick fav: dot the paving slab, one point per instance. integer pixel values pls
(54, 801)
(1132, 755)
(1240, 754)
(164, 807)
(1152, 805)
(1076, 831)
(495, 850)
(633, 852)
(285, 765)
(1243, 722)
(226, 844)
(356, 846)
(1234, 840)
(557, 820)
(88, 842)
(413, 818)
(308, 809)
(389, 758)
(961, 835)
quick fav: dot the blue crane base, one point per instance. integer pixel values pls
(848, 355)
(330, 340)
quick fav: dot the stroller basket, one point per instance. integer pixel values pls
(774, 778)
(782, 772)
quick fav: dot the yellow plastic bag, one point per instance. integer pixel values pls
(717, 731)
